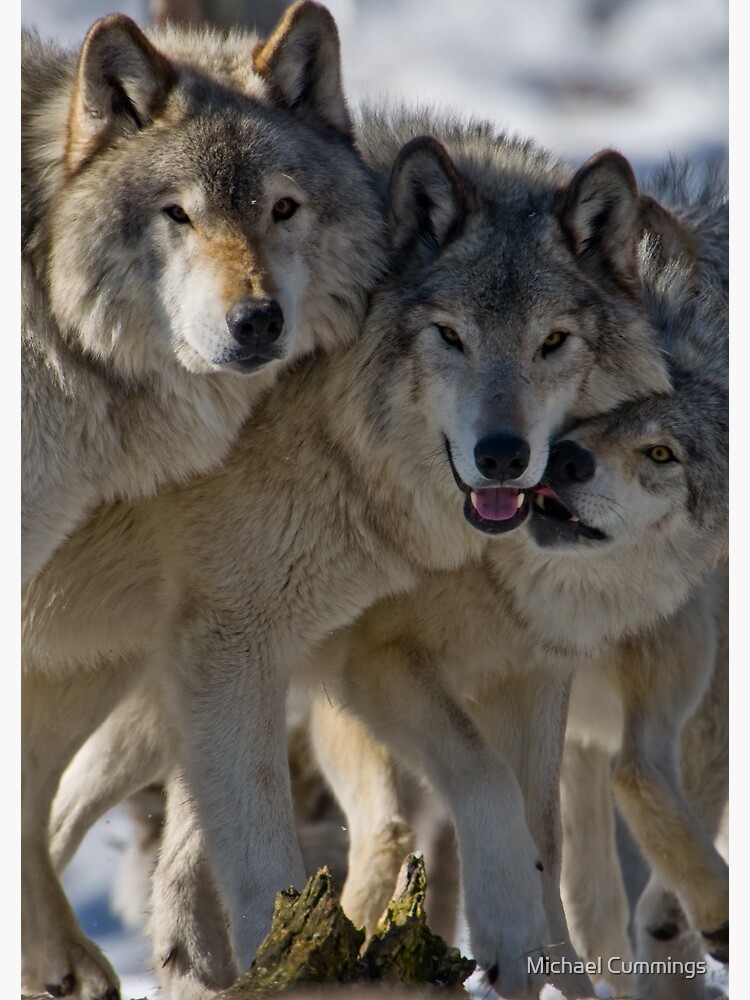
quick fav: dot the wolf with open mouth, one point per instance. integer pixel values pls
(627, 525)
(651, 471)
(514, 304)
(640, 496)
(533, 319)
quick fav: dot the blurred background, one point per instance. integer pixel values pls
(646, 76)
(649, 77)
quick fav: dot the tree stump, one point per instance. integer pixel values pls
(312, 941)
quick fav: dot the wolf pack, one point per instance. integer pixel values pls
(404, 418)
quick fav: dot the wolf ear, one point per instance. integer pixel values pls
(428, 198)
(301, 61)
(599, 212)
(675, 241)
(121, 84)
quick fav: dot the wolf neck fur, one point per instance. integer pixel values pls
(583, 601)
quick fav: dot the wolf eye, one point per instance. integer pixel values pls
(284, 209)
(660, 453)
(450, 336)
(177, 214)
(553, 341)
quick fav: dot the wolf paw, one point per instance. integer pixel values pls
(195, 970)
(75, 969)
(505, 955)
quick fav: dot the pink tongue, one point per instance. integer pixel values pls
(499, 504)
(545, 491)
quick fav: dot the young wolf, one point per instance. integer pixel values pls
(190, 225)
(514, 303)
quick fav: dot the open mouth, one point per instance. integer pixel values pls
(553, 522)
(492, 509)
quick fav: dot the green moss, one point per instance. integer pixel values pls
(403, 948)
(312, 941)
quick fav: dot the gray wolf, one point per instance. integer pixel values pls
(621, 539)
(191, 224)
(574, 610)
(513, 303)
(688, 884)
(693, 333)
(633, 701)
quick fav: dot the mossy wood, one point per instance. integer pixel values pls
(312, 941)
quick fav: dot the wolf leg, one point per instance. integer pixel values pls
(188, 926)
(661, 926)
(230, 716)
(524, 718)
(661, 679)
(57, 716)
(363, 777)
(408, 707)
(663, 935)
(596, 902)
(125, 753)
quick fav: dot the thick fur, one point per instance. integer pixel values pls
(688, 205)
(133, 375)
(636, 707)
(674, 820)
(342, 490)
(484, 634)
(661, 926)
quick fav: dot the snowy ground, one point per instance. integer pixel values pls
(646, 76)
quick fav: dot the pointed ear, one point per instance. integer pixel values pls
(301, 62)
(429, 200)
(675, 242)
(121, 85)
(600, 216)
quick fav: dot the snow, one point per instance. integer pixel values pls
(648, 77)
(644, 75)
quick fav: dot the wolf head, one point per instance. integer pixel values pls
(634, 517)
(650, 479)
(653, 471)
(517, 306)
(232, 227)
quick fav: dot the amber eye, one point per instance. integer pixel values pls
(177, 214)
(660, 453)
(284, 209)
(553, 341)
(450, 336)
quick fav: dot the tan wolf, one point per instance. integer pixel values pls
(514, 304)
(190, 225)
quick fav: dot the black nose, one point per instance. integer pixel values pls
(502, 457)
(570, 463)
(255, 322)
